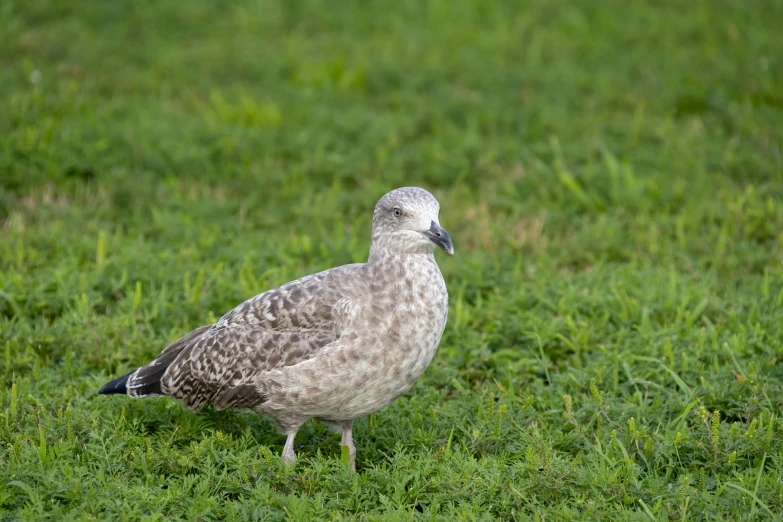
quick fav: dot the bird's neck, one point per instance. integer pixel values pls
(394, 261)
(398, 247)
(412, 278)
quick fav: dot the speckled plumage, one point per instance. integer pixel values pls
(334, 346)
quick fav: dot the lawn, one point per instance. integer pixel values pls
(610, 173)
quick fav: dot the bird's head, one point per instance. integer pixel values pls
(405, 221)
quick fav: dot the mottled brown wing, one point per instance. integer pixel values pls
(281, 327)
(222, 365)
(305, 304)
(145, 381)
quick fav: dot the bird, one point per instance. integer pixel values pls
(334, 346)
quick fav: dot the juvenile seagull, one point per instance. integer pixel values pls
(334, 346)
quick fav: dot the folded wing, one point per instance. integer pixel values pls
(282, 327)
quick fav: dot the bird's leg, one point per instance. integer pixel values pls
(348, 441)
(288, 450)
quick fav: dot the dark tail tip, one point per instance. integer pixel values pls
(115, 386)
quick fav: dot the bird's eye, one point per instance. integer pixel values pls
(397, 212)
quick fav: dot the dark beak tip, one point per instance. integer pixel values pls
(441, 238)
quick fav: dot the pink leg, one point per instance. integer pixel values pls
(288, 450)
(348, 441)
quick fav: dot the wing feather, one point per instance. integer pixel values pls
(145, 381)
(281, 327)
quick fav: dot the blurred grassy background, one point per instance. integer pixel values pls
(610, 172)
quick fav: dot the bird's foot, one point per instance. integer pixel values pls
(288, 457)
(348, 454)
(348, 449)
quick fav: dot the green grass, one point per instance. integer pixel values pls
(611, 174)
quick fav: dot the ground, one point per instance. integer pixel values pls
(611, 175)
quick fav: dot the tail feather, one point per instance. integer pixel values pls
(118, 385)
(146, 380)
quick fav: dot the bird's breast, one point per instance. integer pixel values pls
(418, 305)
(390, 340)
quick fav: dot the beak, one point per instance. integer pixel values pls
(440, 237)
